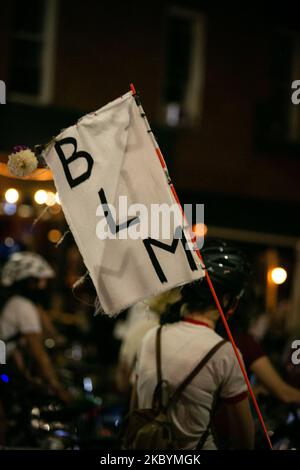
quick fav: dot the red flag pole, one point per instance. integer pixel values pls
(215, 297)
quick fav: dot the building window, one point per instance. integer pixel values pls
(31, 66)
(277, 126)
(185, 67)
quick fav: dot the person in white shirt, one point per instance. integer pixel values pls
(19, 317)
(25, 277)
(187, 336)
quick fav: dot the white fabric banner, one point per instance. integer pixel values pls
(109, 154)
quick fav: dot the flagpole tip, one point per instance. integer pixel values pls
(132, 88)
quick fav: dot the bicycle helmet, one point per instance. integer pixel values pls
(229, 271)
(227, 265)
(23, 265)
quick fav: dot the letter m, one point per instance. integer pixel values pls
(150, 242)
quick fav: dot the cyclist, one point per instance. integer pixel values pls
(187, 336)
(25, 277)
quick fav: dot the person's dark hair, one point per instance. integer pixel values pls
(195, 296)
(229, 271)
(25, 288)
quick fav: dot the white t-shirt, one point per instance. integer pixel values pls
(19, 315)
(184, 344)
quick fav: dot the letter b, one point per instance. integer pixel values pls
(75, 155)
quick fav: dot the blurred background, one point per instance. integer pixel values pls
(215, 83)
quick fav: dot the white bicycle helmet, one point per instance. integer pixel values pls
(23, 265)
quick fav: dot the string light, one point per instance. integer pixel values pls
(57, 200)
(11, 195)
(40, 196)
(51, 199)
(278, 275)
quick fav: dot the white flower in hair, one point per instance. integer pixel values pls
(22, 161)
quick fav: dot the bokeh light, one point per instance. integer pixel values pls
(9, 242)
(40, 196)
(54, 210)
(54, 235)
(25, 210)
(57, 200)
(9, 209)
(278, 275)
(51, 199)
(11, 195)
(200, 230)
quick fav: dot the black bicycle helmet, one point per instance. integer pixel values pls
(227, 265)
(228, 269)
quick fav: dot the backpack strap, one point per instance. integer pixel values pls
(158, 355)
(157, 394)
(196, 371)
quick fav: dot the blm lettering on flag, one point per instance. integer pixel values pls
(108, 156)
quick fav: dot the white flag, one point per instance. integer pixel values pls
(100, 165)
